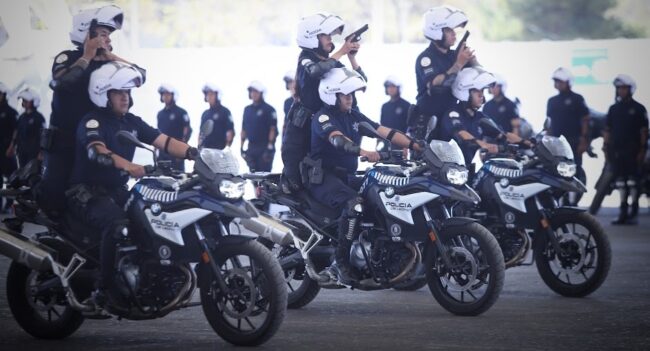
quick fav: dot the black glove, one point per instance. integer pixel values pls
(192, 153)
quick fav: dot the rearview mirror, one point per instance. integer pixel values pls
(127, 138)
(431, 127)
(490, 128)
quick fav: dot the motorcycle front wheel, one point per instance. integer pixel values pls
(584, 259)
(473, 281)
(252, 309)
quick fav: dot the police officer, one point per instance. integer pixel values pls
(335, 141)
(501, 109)
(173, 121)
(260, 128)
(461, 122)
(91, 30)
(569, 116)
(290, 85)
(8, 121)
(393, 112)
(437, 66)
(98, 183)
(223, 131)
(26, 139)
(625, 145)
(315, 39)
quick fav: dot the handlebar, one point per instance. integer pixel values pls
(393, 156)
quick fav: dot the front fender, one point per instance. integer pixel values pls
(233, 239)
(457, 221)
(567, 210)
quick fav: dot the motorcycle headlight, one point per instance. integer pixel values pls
(566, 169)
(457, 176)
(231, 190)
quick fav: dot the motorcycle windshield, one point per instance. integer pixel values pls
(447, 151)
(220, 161)
(558, 147)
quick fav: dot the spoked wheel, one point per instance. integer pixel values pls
(300, 288)
(584, 259)
(253, 307)
(473, 282)
(43, 313)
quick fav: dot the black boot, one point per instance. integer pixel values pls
(345, 273)
(622, 216)
(634, 211)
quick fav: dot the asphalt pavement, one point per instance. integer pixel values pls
(528, 316)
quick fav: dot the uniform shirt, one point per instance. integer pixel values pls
(8, 121)
(307, 86)
(502, 112)
(328, 120)
(430, 63)
(172, 121)
(28, 132)
(566, 111)
(393, 114)
(625, 120)
(457, 119)
(258, 121)
(287, 105)
(222, 124)
(69, 105)
(101, 125)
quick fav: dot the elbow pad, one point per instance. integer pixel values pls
(102, 159)
(318, 69)
(67, 79)
(342, 143)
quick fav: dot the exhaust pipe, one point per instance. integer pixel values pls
(269, 228)
(24, 251)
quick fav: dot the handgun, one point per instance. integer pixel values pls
(356, 36)
(462, 42)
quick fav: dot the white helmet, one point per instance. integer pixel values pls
(289, 76)
(3, 88)
(393, 80)
(211, 86)
(470, 78)
(624, 79)
(168, 88)
(564, 75)
(500, 80)
(109, 16)
(112, 76)
(339, 80)
(257, 85)
(30, 94)
(441, 17)
(311, 26)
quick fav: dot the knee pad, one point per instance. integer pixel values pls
(120, 229)
(354, 207)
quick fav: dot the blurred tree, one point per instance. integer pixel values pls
(561, 19)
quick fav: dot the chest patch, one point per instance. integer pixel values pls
(632, 111)
(92, 124)
(425, 61)
(355, 126)
(454, 114)
(567, 101)
(172, 117)
(398, 111)
(215, 116)
(502, 109)
(61, 58)
(259, 112)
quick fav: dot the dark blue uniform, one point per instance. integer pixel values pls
(430, 63)
(8, 121)
(502, 112)
(258, 122)
(625, 120)
(28, 134)
(98, 193)
(172, 121)
(287, 106)
(393, 114)
(566, 111)
(296, 138)
(222, 120)
(457, 119)
(338, 165)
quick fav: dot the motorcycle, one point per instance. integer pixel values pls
(520, 206)
(178, 243)
(405, 223)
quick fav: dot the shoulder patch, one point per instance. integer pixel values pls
(425, 61)
(454, 114)
(92, 123)
(63, 57)
(323, 118)
(305, 62)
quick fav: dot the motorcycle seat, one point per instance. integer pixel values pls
(259, 176)
(317, 211)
